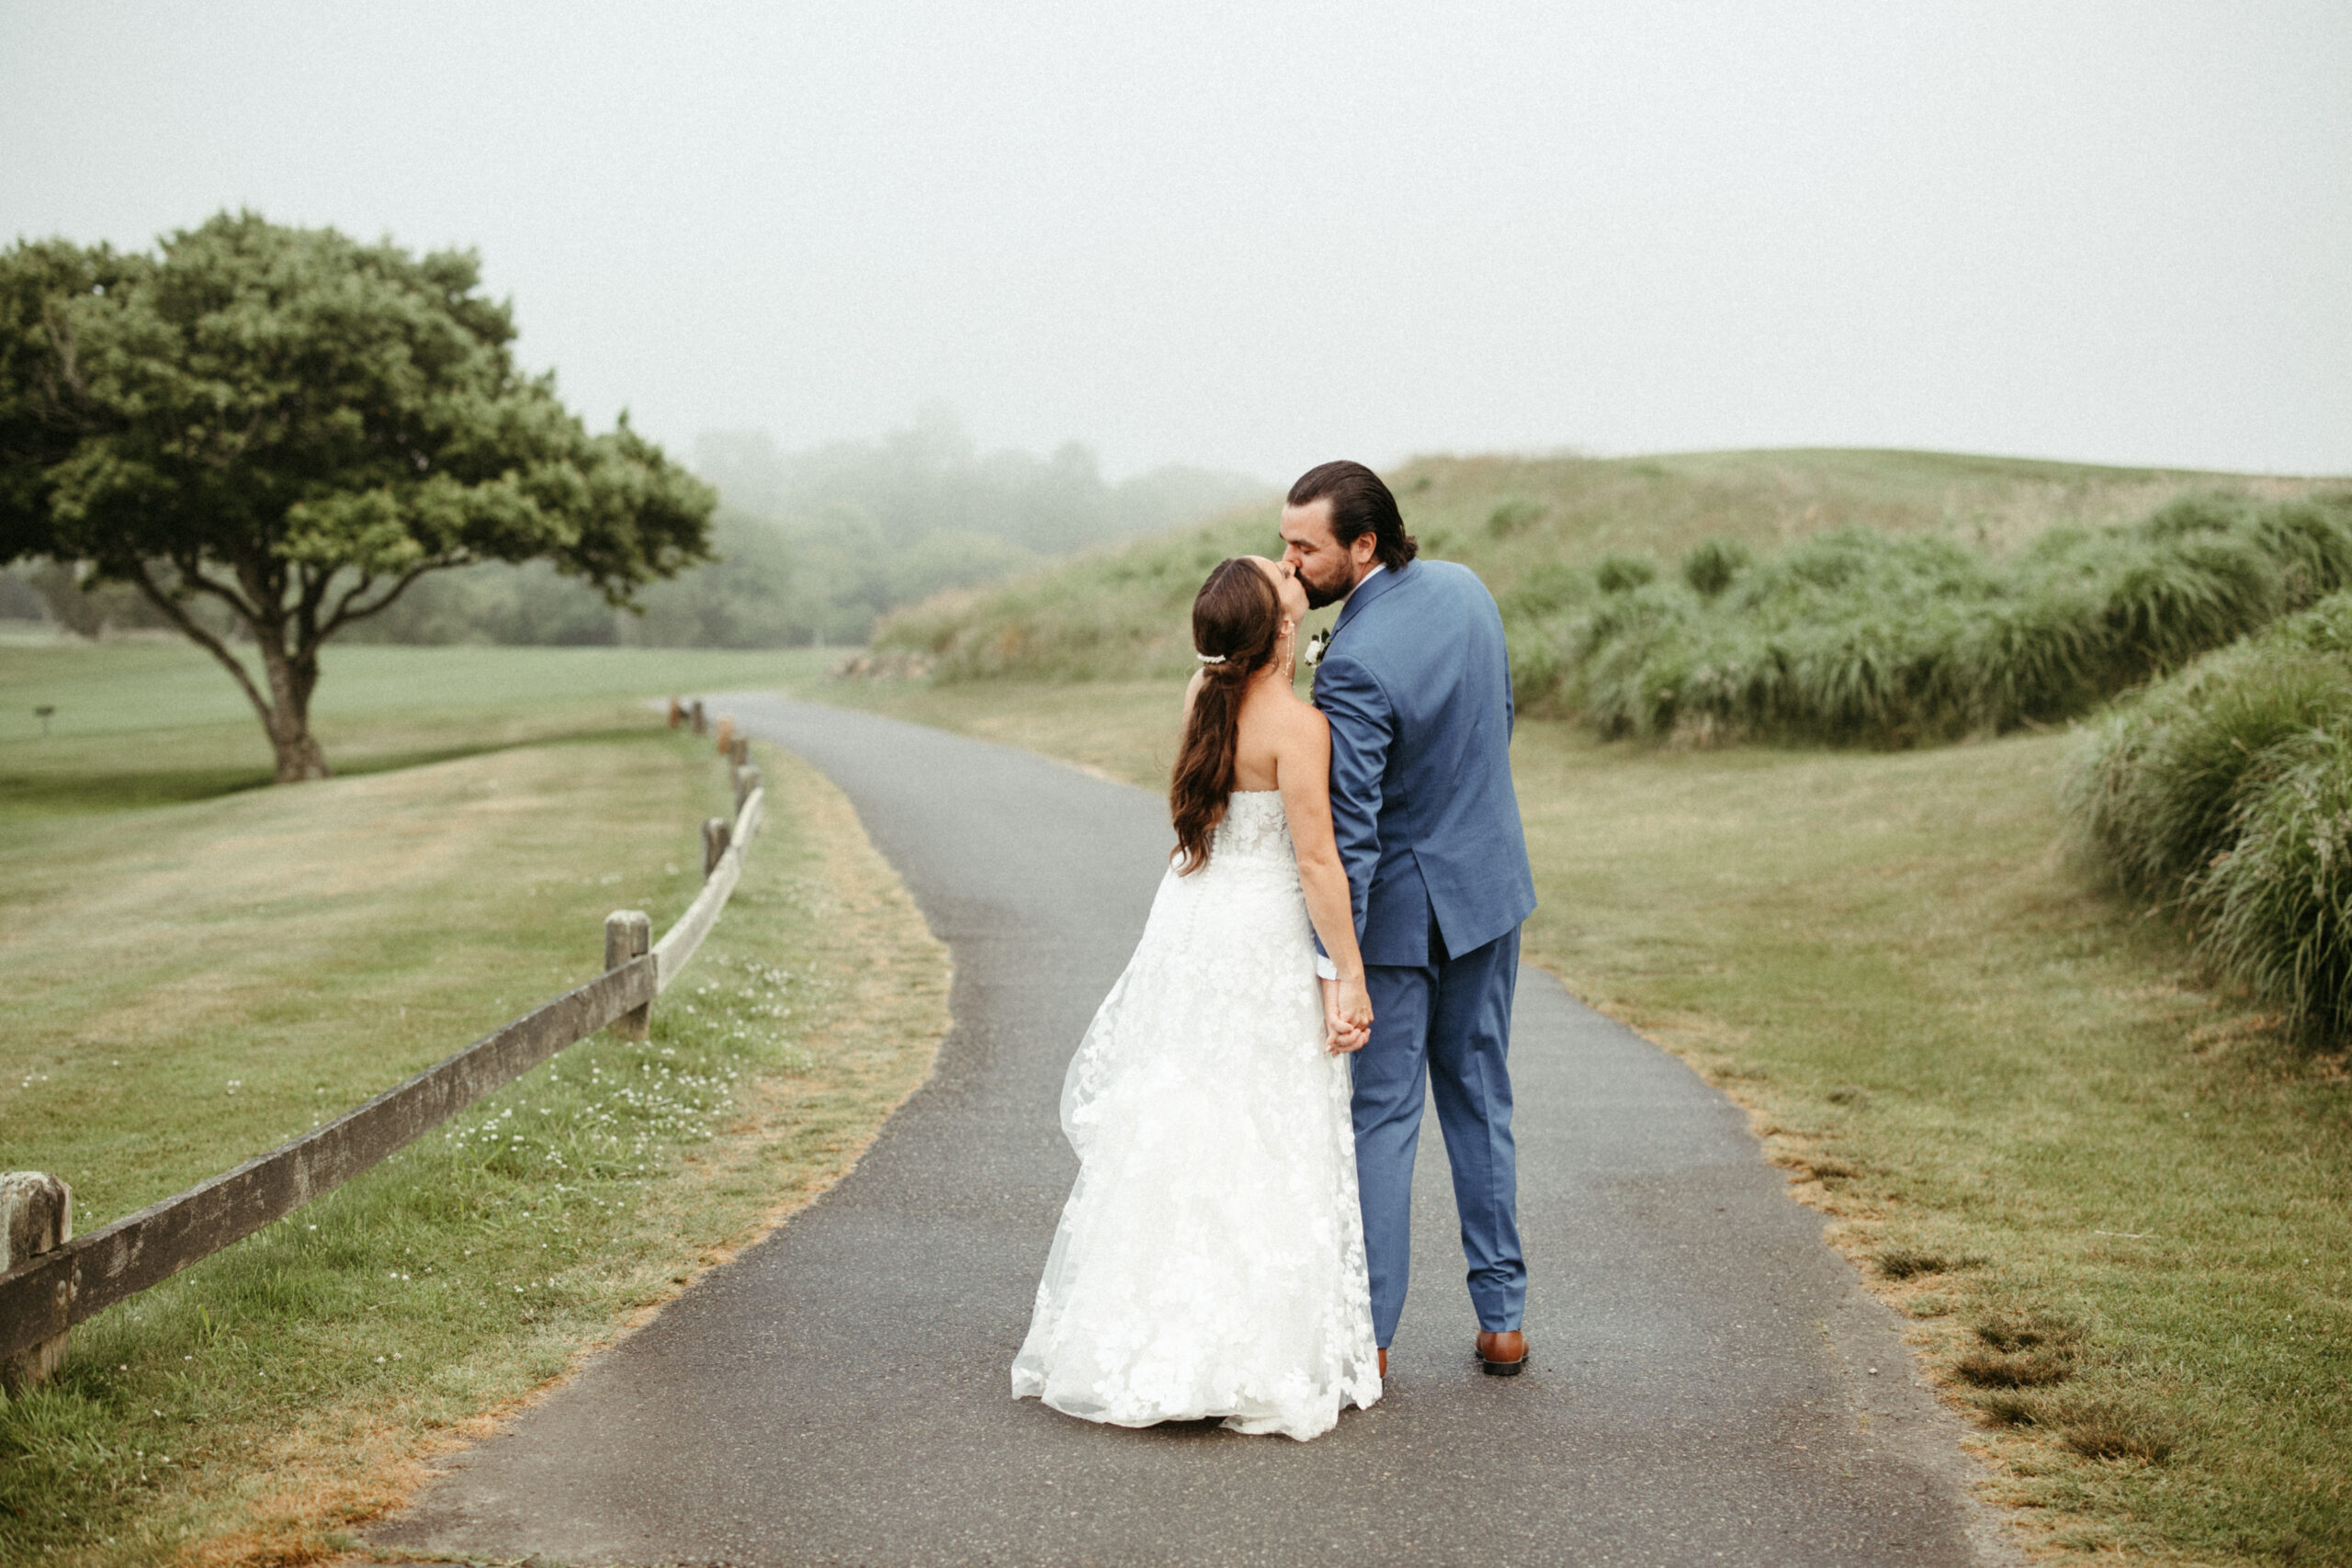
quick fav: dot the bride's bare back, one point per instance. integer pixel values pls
(1282, 743)
(1275, 728)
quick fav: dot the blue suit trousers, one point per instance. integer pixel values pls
(1445, 1025)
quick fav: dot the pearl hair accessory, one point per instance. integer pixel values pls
(1210, 658)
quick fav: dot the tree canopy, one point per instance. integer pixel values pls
(292, 428)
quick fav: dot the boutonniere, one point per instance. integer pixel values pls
(1316, 645)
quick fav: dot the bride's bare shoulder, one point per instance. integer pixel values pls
(1305, 721)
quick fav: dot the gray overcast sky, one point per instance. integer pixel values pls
(1265, 233)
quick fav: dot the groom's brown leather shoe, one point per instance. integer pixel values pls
(1383, 1362)
(1502, 1354)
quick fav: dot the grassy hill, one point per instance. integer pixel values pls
(1121, 612)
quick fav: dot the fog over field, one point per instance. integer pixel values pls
(1248, 237)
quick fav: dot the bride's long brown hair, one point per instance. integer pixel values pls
(1236, 620)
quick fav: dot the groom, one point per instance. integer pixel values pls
(1416, 683)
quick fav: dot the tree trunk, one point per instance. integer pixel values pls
(288, 717)
(285, 710)
(299, 756)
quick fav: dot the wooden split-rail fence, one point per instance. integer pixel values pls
(52, 1279)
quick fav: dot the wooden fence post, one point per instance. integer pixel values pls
(741, 754)
(628, 933)
(677, 712)
(36, 1217)
(726, 734)
(715, 831)
(746, 779)
(696, 710)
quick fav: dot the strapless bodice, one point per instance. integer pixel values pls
(1253, 828)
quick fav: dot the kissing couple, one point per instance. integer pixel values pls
(1336, 936)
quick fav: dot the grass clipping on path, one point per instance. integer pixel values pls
(258, 1407)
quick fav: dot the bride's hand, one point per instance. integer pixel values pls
(1346, 1016)
(1334, 1032)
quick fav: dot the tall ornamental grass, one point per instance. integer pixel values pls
(2223, 794)
(1861, 636)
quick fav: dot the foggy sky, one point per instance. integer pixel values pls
(1262, 234)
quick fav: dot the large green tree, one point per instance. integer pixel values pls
(290, 428)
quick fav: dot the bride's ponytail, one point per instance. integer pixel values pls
(1236, 618)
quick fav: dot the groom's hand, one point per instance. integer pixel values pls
(1346, 1016)
(1335, 1032)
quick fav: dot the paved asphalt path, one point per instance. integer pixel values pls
(1701, 1391)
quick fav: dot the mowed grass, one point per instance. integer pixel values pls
(151, 723)
(195, 982)
(2116, 1205)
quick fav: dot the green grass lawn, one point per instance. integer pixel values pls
(2115, 1205)
(200, 971)
(141, 722)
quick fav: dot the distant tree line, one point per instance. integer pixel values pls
(811, 546)
(815, 546)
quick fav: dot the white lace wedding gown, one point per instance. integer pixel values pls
(1210, 1260)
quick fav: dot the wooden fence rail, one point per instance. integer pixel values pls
(76, 1277)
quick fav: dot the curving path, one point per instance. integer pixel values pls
(1701, 1391)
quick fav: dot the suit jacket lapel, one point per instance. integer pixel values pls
(1366, 592)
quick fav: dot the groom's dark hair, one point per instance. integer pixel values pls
(1361, 504)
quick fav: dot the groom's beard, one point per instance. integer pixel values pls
(1321, 594)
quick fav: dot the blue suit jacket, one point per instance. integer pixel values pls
(1416, 683)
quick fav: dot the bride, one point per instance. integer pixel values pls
(1210, 1260)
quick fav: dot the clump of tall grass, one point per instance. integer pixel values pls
(1714, 565)
(2224, 795)
(1861, 636)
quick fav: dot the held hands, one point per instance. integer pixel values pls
(1346, 1016)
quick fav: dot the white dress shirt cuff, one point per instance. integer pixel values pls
(1324, 967)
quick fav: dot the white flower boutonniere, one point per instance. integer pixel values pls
(1315, 646)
